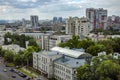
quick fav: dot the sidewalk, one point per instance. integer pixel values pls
(34, 75)
(27, 72)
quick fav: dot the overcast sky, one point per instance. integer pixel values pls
(46, 9)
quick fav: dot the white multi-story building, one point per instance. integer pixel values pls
(1, 40)
(77, 26)
(47, 41)
(54, 40)
(13, 47)
(43, 62)
(2, 27)
(39, 37)
(65, 68)
(60, 63)
(97, 17)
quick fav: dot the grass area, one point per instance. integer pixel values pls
(27, 72)
(9, 65)
(34, 71)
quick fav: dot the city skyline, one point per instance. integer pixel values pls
(47, 9)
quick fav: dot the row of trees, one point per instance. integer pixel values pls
(20, 58)
(102, 68)
(109, 31)
(109, 45)
(16, 39)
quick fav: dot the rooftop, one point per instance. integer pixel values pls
(50, 53)
(70, 62)
(68, 52)
(13, 47)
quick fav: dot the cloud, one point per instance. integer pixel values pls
(23, 4)
(17, 9)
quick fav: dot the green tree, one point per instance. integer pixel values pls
(18, 59)
(33, 43)
(86, 43)
(116, 45)
(28, 55)
(95, 49)
(6, 36)
(0, 51)
(84, 73)
(108, 69)
(72, 43)
(22, 41)
(101, 68)
(108, 44)
(8, 56)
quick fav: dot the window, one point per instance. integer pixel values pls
(74, 72)
(50, 59)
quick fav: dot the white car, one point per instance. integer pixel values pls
(5, 70)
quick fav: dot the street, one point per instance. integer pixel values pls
(7, 75)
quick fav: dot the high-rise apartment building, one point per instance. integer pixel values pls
(97, 17)
(54, 20)
(34, 21)
(113, 22)
(77, 26)
(24, 22)
(60, 20)
(57, 20)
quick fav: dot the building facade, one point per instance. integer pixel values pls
(114, 22)
(41, 38)
(77, 26)
(59, 63)
(97, 17)
(34, 21)
(43, 62)
(54, 40)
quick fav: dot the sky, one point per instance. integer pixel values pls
(47, 9)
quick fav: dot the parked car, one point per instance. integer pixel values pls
(28, 78)
(11, 69)
(16, 71)
(5, 70)
(22, 75)
(38, 79)
(13, 76)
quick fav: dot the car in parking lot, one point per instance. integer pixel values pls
(16, 71)
(5, 70)
(38, 79)
(28, 78)
(22, 75)
(11, 69)
(13, 76)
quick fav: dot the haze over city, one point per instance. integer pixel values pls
(46, 9)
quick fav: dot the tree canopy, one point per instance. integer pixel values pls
(101, 68)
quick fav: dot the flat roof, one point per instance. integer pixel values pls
(48, 53)
(70, 62)
(68, 52)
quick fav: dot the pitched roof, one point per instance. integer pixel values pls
(68, 52)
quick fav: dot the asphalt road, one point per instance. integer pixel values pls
(8, 74)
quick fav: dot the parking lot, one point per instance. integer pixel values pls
(10, 73)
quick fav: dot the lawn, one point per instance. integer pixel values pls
(26, 72)
(9, 65)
